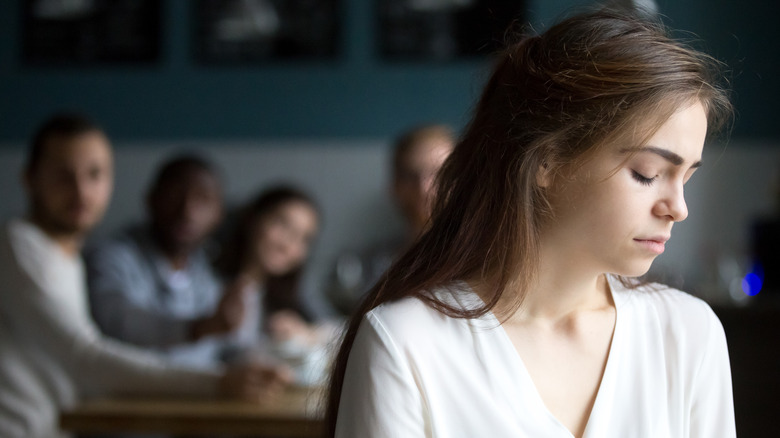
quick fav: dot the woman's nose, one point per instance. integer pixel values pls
(672, 204)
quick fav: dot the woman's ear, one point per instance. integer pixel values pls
(544, 175)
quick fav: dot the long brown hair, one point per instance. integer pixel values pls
(551, 100)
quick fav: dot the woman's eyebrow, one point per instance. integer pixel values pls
(665, 154)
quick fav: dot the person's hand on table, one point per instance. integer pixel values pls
(230, 311)
(285, 325)
(255, 382)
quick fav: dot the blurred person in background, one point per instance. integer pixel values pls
(418, 154)
(265, 259)
(51, 353)
(153, 284)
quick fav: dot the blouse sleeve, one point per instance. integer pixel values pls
(379, 396)
(712, 402)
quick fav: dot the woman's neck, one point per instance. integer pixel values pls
(562, 296)
(562, 288)
(253, 272)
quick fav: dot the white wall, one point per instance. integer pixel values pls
(349, 179)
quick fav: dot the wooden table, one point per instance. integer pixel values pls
(294, 414)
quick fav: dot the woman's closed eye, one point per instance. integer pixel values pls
(641, 178)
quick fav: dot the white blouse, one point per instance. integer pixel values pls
(414, 372)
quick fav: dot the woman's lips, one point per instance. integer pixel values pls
(655, 245)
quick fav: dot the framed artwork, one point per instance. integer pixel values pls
(441, 30)
(248, 31)
(85, 32)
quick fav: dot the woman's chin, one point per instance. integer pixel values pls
(278, 269)
(636, 270)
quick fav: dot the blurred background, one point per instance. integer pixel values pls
(313, 92)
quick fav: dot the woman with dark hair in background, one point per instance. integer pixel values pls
(265, 257)
(515, 313)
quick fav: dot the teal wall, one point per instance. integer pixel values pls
(743, 34)
(355, 96)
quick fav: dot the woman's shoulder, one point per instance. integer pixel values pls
(668, 306)
(673, 331)
(406, 312)
(413, 317)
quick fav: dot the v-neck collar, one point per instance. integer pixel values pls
(593, 428)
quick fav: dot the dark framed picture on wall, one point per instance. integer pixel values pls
(251, 31)
(442, 30)
(88, 32)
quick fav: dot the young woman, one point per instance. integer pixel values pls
(265, 259)
(514, 314)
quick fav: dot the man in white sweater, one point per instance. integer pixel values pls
(51, 354)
